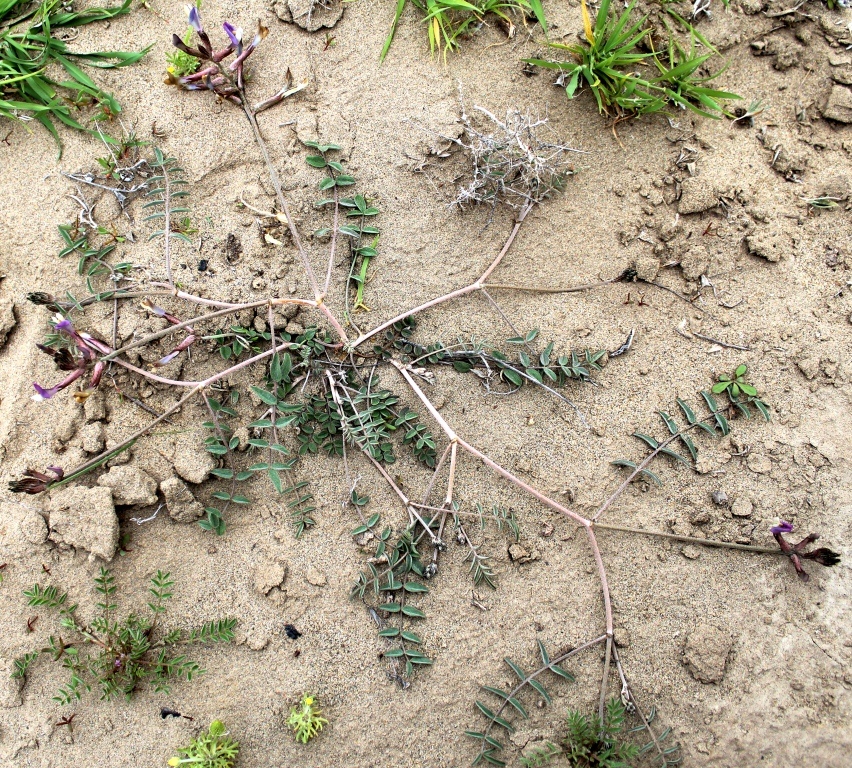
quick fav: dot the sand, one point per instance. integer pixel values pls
(782, 696)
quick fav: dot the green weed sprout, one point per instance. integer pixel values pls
(305, 719)
(214, 749)
(607, 65)
(448, 21)
(119, 654)
(741, 393)
(181, 63)
(591, 743)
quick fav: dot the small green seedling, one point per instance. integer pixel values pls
(592, 743)
(119, 655)
(741, 393)
(214, 749)
(305, 719)
(181, 63)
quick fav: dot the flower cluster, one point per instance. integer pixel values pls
(36, 482)
(87, 347)
(796, 553)
(226, 82)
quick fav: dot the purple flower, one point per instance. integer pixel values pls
(42, 393)
(64, 360)
(97, 373)
(235, 35)
(796, 552)
(185, 344)
(36, 482)
(167, 359)
(46, 394)
(782, 527)
(195, 19)
(64, 325)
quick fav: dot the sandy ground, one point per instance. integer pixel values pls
(784, 696)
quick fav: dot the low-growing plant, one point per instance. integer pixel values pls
(118, 655)
(740, 392)
(608, 64)
(450, 21)
(306, 719)
(593, 742)
(326, 390)
(211, 749)
(181, 63)
(716, 422)
(29, 50)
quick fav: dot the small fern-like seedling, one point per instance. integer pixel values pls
(305, 719)
(595, 743)
(119, 654)
(214, 749)
(539, 756)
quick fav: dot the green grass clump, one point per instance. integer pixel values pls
(214, 749)
(29, 50)
(449, 21)
(608, 64)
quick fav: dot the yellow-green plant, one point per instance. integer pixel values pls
(305, 719)
(214, 749)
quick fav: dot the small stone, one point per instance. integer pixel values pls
(309, 14)
(130, 486)
(698, 194)
(519, 555)
(706, 653)
(690, 552)
(720, 498)
(181, 504)
(647, 268)
(770, 244)
(704, 464)
(839, 105)
(192, 461)
(269, 575)
(33, 527)
(92, 437)
(10, 687)
(95, 406)
(742, 507)
(84, 518)
(7, 319)
(65, 426)
(695, 262)
(759, 463)
(364, 539)
(257, 641)
(809, 366)
(20, 529)
(315, 577)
